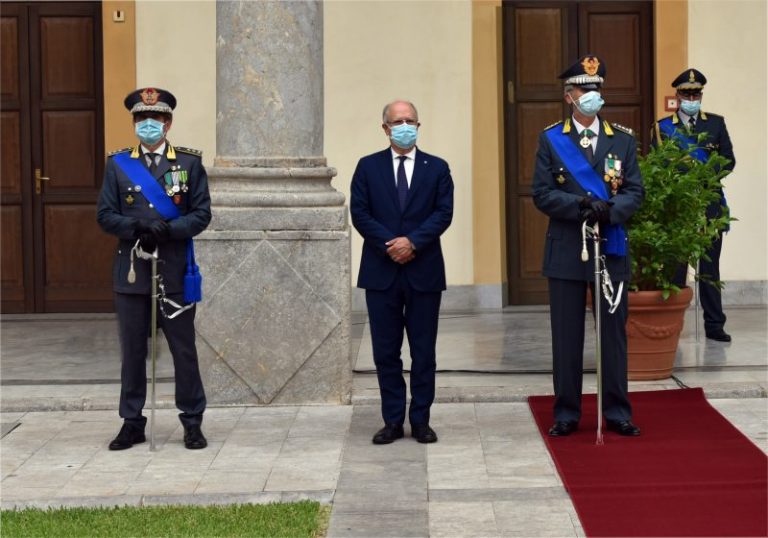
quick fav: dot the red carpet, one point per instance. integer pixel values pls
(690, 473)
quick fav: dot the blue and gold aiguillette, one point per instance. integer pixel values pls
(129, 199)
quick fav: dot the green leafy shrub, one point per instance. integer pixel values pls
(671, 226)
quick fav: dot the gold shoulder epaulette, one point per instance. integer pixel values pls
(552, 125)
(188, 150)
(627, 130)
(118, 151)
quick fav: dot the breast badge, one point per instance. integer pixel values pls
(176, 181)
(613, 173)
(129, 199)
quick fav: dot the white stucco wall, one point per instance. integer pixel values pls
(176, 50)
(377, 51)
(727, 42)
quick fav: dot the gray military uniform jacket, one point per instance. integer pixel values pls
(121, 204)
(557, 194)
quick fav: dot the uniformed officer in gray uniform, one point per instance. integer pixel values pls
(608, 155)
(124, 211)
(690, 121)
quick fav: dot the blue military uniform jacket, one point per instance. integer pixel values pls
(717, 139)
(121, 203)
(377, 216)
(557, 194)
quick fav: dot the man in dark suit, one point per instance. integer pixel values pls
(586, 169)
(401, 202)
(130, 212)
(687, 124)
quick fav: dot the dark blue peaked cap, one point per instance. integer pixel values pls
(690, 79)
(150, 100)
(588, 70)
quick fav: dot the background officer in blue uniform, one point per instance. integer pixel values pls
(608, 152)
(401, 202)
(124, 211)
(690, 121)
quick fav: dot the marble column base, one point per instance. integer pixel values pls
(274, 324)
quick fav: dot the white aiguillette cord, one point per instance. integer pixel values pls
(606, 284)
(138, 252)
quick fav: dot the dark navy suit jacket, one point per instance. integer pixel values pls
(557, 194)
(377, 216)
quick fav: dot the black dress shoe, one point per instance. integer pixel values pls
(623, 427)
(388, 434)
(194, 438)
(563, 428)
(423, 433)
(719, 335)
(129, 435)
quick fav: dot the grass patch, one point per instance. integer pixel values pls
(302, 519)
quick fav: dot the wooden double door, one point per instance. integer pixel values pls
(541, 39)
(54, 256)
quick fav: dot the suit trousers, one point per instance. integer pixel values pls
(567, 299)
(710, 296)
(134, 316)
(390, 311)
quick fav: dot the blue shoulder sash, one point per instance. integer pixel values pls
(153, 192)
(668, 128)
(150, 188)
(590, 181)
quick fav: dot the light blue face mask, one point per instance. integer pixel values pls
(150, 131)
(404, 135)
(690, 107)
(590, 103)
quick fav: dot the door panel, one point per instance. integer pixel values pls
(531, 116)
(12, 266)
(9, 54)
(69, 140)
(540, 40)
(70, 255)
(52, 126)
(67, 45)
(10, 147)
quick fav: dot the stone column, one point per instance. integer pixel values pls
(273, 326)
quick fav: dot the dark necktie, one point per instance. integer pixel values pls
(152, 163)
(402, 182)
(586, 143)
(691, 124)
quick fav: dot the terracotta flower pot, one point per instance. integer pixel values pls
(653, 331)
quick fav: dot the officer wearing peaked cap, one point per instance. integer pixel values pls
(586, 169)
(687, 124)
(133, 208)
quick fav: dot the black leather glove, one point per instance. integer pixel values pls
(142, 226)
(588, 215)
(160, 230)
(593, 211)
(602, 211)
(586, 212)
(147, 242)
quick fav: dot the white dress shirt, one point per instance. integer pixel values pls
(158, 153)
(595, 128)
(409, 163)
